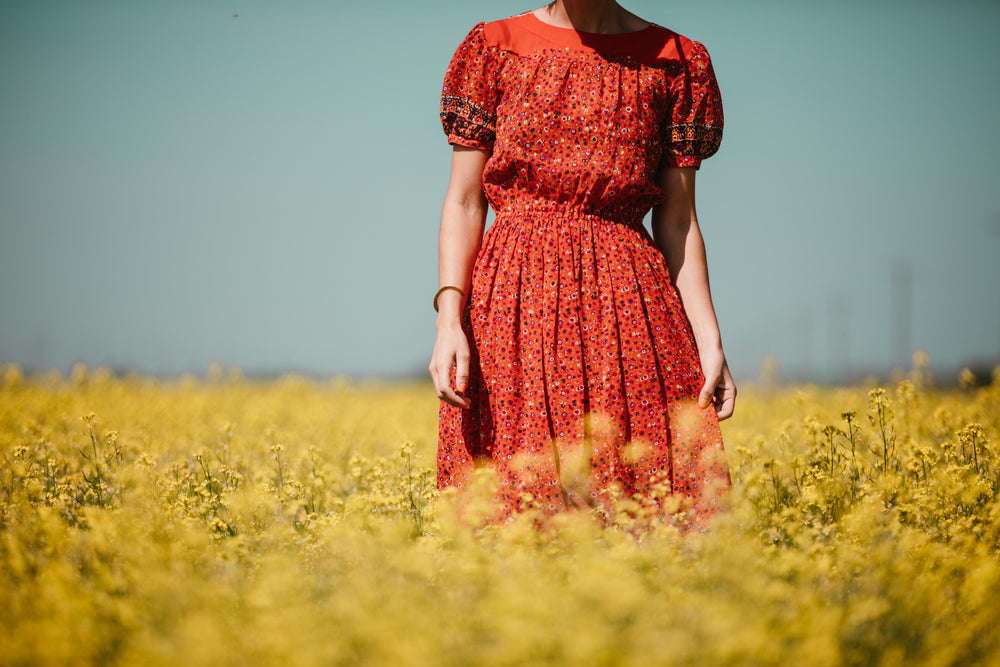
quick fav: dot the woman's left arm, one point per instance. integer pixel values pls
(677, 235)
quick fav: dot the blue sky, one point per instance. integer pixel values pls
(179, 185)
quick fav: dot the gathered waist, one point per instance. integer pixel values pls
(546, 209)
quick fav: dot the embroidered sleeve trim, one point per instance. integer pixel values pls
(466, 119)
(693, 140)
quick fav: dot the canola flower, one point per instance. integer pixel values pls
(228, 521)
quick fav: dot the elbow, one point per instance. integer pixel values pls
(674, 229)
(468, 204)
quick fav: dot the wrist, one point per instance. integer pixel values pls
(453, 292)
(449, 304)
(449, 314)
(709, 345)
(446, 322)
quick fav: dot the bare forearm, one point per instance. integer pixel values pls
(462, 223)
(683, 247)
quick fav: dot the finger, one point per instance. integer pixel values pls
(435, 377)
(461, 372)
(449, 396)
(442, 386)
(725, 411)
(707, 395)
(442, 378)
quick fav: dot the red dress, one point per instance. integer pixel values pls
(585, 374)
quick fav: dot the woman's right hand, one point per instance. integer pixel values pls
(451, 350)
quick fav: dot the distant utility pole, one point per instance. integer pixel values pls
(901, 309)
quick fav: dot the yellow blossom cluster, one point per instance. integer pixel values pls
(229, 521)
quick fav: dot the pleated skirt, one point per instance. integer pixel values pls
(584, 377)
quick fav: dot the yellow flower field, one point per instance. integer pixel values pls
(227, 521)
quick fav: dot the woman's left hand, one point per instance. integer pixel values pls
(719, 389)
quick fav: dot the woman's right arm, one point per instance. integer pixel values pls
(463, 218)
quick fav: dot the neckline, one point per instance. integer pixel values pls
(583, 34)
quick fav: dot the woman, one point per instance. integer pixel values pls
(564, 358)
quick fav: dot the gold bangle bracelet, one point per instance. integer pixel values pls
(446, 287)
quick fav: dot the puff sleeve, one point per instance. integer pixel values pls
(693, 129)
(470, 95)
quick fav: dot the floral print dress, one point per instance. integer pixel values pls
(585, 374)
